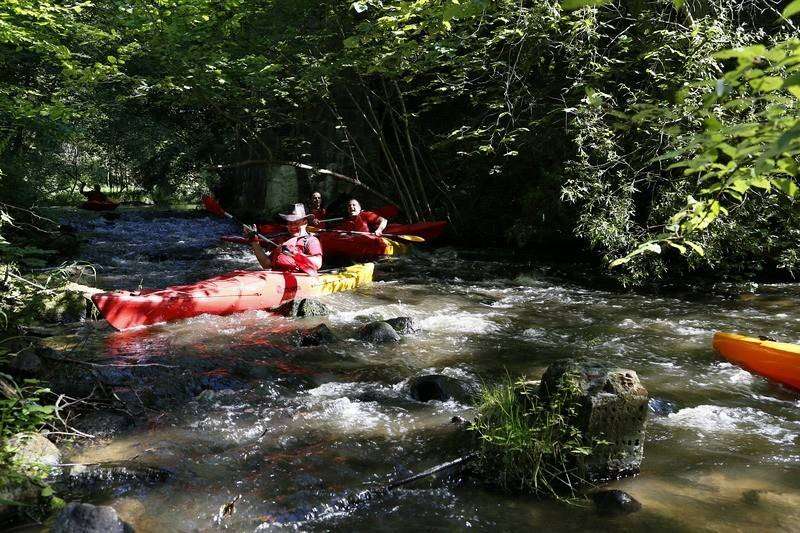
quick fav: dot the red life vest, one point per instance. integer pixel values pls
(282, 257)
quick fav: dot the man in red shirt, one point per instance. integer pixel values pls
(317, 211)
(363, 220)
(301, 243)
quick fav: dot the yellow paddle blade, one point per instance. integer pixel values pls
(409, 238)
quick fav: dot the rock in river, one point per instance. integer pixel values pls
(315, 336)
(378, 332)
(615, 503)
(612, 406)
(304, 308)
(86, 518)
(403, 325)
(438, 387)
(34, 448)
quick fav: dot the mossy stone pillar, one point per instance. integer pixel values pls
(611, 407)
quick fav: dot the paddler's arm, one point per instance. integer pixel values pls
(261, 255)
(381, 226)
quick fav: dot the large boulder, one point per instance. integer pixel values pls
(378, 332)
(87, 518)
(611, 406)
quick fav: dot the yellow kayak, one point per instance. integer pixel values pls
(778, 361)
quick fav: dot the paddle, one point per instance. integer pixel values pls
(409, 238)
(303, 263)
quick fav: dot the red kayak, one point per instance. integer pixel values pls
(242, 290)
(97, 205)
(338, 246)
(427, 230)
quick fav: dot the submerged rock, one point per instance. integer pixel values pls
(119, 476)
(661, 407)
(103, 423)
(378, 332)
(87, 518)
(438, 387)
(612, 406)
(315, 336)
(402, 324)
(615, 503)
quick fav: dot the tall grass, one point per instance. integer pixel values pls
(530, 446)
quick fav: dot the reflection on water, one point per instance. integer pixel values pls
(303, 426)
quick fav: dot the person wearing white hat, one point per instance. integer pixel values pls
(301, 243)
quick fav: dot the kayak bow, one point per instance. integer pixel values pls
(778, 361)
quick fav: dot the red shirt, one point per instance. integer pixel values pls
(319, 214)
(364, 221)
(282, 257)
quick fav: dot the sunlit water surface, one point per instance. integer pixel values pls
(328, 421)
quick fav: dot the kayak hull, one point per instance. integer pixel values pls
(234, 292)
(338, 246)
(778, 361)
(427, 230)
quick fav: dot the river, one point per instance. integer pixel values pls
(722, 450)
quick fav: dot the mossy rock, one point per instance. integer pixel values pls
(62, 306)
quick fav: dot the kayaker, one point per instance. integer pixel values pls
(95, 195)
(300, 243)
(360, 220)
(317, 211)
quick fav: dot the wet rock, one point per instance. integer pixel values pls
(438, 387)
(661, 407)
(103, 423)
(87, 518)
(34, 449)
(378, 332)
(116, 476)
(304, 308)
(612, 406)
(26, 362)
(129, 509)
(403, 325)
(615, 503)
(315, 336)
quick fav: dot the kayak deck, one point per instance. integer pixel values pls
(343, 246)
(778, 361)
(234, 292)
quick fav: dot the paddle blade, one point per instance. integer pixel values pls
(212, 206)
(409, 238)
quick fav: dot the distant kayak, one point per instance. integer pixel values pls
(242, 290)
(97, 205)
(338, 246)
(778, 361)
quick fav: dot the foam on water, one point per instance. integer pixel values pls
(713, 420)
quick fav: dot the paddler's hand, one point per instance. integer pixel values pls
(378, 233)
(250, 233)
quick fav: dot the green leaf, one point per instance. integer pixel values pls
(766, 84)
(792, 9)
(46, 492)
(572, 5)
(696, 247)
(351, 42)
(786, 186)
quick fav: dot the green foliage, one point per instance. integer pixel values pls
(529, 446)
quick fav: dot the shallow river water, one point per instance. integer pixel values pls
(722, 450)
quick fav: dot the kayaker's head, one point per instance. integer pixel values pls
(353, 207)
(96, 188)
(296, 221)
(316, 200)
